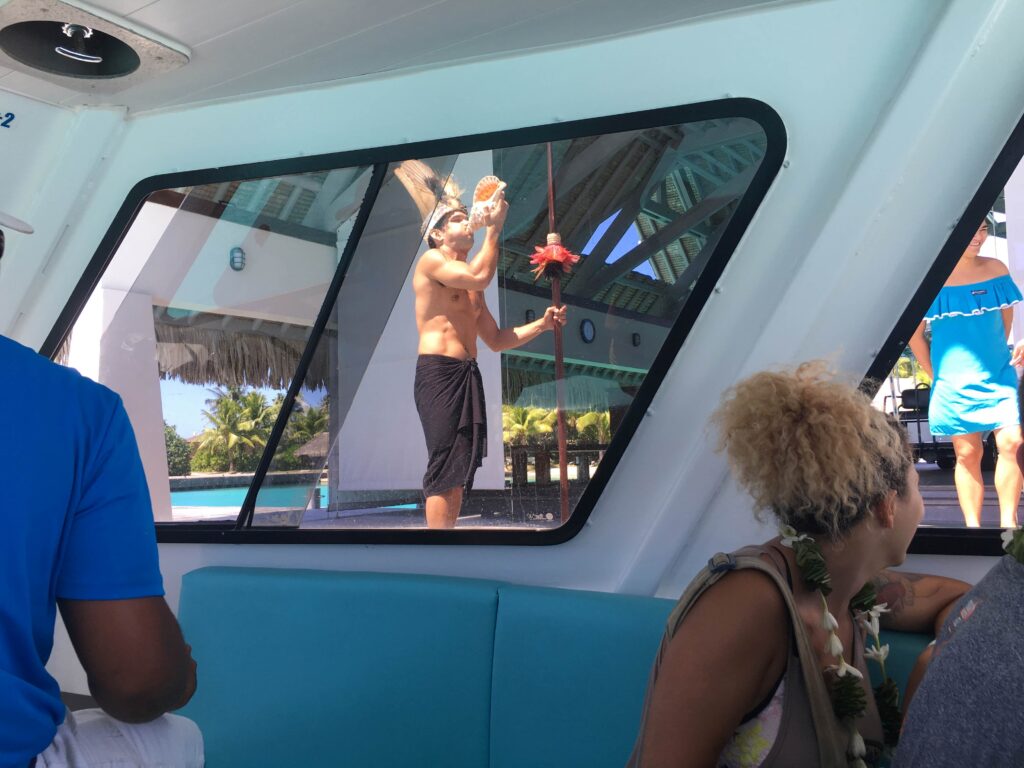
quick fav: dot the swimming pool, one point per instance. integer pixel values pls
(284, 496)
(289, 496)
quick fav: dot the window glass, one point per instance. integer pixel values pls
(955, 386)
(201, 318)
(428, 359)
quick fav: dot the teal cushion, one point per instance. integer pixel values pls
(570, 673)
(322, 668)
(904, 648)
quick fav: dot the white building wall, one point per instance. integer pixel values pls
(127, 364)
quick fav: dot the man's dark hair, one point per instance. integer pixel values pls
(1, 243)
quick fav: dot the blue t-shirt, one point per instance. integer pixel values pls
(75, 523)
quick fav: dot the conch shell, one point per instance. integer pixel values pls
(485, 188)
(483, 200)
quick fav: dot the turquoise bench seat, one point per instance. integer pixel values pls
(363, 669)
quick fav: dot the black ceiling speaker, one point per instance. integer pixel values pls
(83, 48)
(72, 50)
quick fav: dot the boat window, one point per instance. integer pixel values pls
(960, 347)
(295, 358)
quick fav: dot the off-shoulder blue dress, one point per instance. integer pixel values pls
(975, 387)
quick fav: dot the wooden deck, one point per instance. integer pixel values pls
(941, 507)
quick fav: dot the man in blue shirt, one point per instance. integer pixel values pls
(76, 532)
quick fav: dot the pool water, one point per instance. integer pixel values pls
(285, 496)
(290, 496)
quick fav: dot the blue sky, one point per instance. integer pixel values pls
(626, 243)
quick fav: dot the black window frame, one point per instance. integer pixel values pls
(227, 532)
(936, 540)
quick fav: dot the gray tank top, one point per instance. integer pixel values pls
(809, 734)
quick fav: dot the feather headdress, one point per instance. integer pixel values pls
(434, 197)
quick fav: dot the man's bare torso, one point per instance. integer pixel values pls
(445, 317)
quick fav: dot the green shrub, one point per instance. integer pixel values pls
(210, 460)
(178, 453)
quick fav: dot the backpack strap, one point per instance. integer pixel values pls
(831, 738)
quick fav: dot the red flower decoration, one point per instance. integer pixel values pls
(552, 259)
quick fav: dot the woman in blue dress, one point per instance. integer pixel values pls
(974, 384)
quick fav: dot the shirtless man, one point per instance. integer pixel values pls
(450, 315)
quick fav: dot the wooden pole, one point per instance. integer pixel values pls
(563, 458)
(556, 299)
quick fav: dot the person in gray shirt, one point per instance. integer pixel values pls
(965, 712)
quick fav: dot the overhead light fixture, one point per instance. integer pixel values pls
(236, 259)
(78, 35)
(69, 49)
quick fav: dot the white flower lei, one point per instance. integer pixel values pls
(868, 619)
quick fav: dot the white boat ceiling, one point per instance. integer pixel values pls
(894, 113)
(245, 47)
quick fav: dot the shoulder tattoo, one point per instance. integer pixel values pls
(896, 589)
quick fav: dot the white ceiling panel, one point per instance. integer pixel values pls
(244, 47)
(268, 43)
(194, 22)
(122, 7)
(361, 54)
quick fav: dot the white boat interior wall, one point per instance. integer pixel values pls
(894, 112)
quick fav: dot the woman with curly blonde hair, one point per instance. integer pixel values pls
(763, 660)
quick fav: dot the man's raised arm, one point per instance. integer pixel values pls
(477, 274)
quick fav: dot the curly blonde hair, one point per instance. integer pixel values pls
(810, 449)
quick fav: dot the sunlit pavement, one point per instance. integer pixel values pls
(525, 508)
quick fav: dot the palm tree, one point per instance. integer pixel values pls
(231, 427)
(220, 394)
(309, 423)
(595, 426)
(259, 412)
(520, 425)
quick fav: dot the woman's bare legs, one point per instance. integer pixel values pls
(1008, 479)
(970, 488)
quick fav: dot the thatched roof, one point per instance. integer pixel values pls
(209, 349)
(317, 447)
(678, 185)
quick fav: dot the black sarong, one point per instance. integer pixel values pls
(449, 397)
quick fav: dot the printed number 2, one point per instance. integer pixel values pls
(8, 119)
